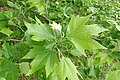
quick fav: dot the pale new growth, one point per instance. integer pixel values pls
(56, 26)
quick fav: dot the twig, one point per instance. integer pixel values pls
(42, 16)
(20, 28)
(60, 55)
(16, 40)
(46, 7)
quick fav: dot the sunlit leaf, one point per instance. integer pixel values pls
(56, 26)
(6, 31)
(66, 69)
(24, 67)
(41, 58)
(113, 75)
(112, 22)
(79, 34)
(39, 4)
(38, 31)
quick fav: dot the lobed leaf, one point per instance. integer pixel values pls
(79, 34)
(39, 31)
(6, 31)
(8, 70)
(66, 69)
(42, 58)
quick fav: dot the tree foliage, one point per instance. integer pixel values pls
(59, 40)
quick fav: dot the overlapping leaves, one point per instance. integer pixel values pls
(78, 33)
(66, 69)
(42, 58)
(48, 59)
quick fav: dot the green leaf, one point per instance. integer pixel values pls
(116, 54)
(34, 52)
(92, 70)
(94, 29)
(8, 51)
(103, 57)
(42, 58)
(113, 75)
(11, 4)
(79, 34)
(8, 70)
(66, 69)
(24, 67)
(118, 27)
(39, 4)
(2, 78)
(6, 31)
(39, 31)
(116, 65)
(5, 50)
(3, 21)
(51, 61)
(112, 22)
(0, 56)
(75, 52)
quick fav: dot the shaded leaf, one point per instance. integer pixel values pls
(8, 70)
(116, 54)
(3, 21)
(8, 51)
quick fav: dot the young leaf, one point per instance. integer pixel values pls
(56, 26)
(79, 34)
(38, 31)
